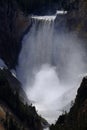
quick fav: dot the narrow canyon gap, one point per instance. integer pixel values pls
(51, 63)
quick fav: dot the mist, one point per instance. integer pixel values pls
(50, 67)
(2, 64)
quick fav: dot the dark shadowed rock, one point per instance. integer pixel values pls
(13, 24)
(14, 84)
(76, 119)
(15, 112)
(77, 19)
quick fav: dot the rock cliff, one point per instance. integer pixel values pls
(77, 18)
(15, 112)
(13, 23)
(76, 119)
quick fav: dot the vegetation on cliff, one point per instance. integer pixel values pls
(76, 119)
(25, 113)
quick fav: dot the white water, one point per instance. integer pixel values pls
(46, 129)
(50, 65)
(49, 18)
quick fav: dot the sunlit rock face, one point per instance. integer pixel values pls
(50, 66)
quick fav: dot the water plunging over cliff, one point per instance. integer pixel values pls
(50, 64)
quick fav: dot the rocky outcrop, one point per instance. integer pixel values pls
(14, 83)
(60, 22)
(77, 18)
(76, 119)
(15, 112)
(13, 24)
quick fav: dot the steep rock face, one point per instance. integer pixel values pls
(60, 22)
(77, 18)
(14, 83)
(82, 92)
(76, 119)
(12, 25)
(15, 113)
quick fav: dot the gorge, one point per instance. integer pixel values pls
(43, 50)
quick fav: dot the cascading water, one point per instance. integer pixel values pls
(50, 65)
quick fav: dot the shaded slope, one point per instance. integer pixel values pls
(76, 119)
(14, 106)
(13, 23)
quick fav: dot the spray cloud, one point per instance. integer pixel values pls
(50, 65)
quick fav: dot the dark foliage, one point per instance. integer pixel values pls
(26, 113)
(76, 119)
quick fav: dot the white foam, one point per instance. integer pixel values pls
(61, 12)
(47, 18)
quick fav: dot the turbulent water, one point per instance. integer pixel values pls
(50, 67)
(46, 129)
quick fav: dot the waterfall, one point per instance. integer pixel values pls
(50, 65)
